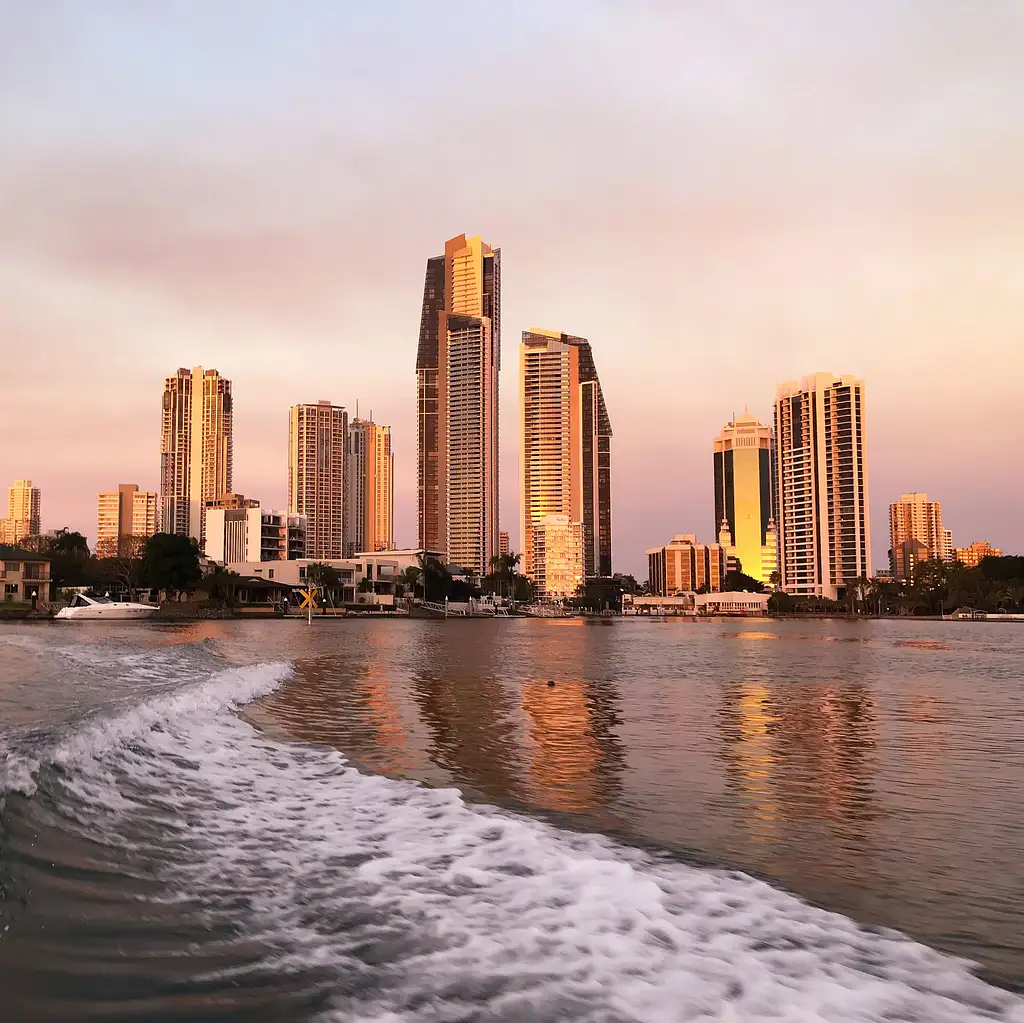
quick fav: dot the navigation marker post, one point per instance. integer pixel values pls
(308, 602)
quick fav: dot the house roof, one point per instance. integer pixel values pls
(11, 553)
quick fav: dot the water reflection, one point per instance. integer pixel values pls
(801, 751)
(575, 759)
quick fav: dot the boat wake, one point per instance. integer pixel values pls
(365, 898)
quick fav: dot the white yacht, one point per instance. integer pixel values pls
(90, 609)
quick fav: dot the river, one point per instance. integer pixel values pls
(601, 820)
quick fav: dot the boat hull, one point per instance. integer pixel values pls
(105, 614)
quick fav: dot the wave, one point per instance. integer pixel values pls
(413, 905)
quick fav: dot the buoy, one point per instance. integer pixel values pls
(551, 684)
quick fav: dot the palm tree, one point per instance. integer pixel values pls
(411, 577)
(775, 579)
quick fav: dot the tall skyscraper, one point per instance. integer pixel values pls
(23, 513)
(504, 545)
(124, 514)
(745, 496)
(914, 517)
(565, 445)
(457, 365)
(317, 463)
(195, 448)
(822, 485)
(370, 507)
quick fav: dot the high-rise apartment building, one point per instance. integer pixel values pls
(685, 566)
(254, 534)
(24, 502)
(745, 496)
(504, 544)
(370, 507)
(914, 517)
(947, 543)
(565, 445)
(822, 485)
(195, 448)
(124, 517)
(457, 365)
(972, 555)
(557, 547)
(317, 463)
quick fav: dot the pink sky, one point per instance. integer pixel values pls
(720, 198)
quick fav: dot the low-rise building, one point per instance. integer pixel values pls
(24, 575)
(382, 569)
(972, 555)
(685, 566)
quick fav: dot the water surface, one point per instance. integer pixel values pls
(409, 821)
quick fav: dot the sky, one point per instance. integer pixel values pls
(720, 195)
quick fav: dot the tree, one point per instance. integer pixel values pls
(411, 577)
(325, 578)
(436, 580)
(127, 566)
(775, 579)
(171, 563)
(223, 584)
(70, 563)
(737, 581)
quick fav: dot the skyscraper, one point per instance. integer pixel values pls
(317, 437)
(744, 496)
(23, 512)
(565, 446)
(457, 365)
(822, 485)
(914, 517)
(124, 514)
(369, 504)
(195, 448)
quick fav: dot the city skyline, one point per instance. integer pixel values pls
(881, 234)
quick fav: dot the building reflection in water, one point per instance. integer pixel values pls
(575, 758)
(351, 703)
(801, 751)
(468, 712)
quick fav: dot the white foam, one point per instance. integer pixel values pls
(426, 908)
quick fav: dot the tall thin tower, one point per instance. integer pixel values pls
(565, 447)
(822, 481)
(370, 507)
(457, 366)
(317, 475)
(195, 448)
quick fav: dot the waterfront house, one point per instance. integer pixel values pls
(24, 574)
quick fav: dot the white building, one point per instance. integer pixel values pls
(557, 556)
(822, 480)
(382, 568)
(254, 535)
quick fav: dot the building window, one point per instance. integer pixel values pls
(12, 566)
(270, 573)
(10, 590)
